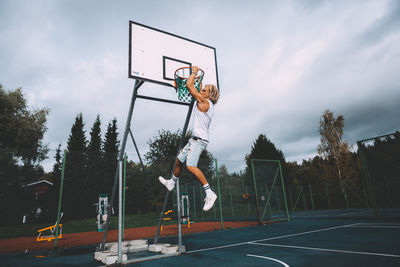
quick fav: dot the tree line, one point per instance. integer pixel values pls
(91, 162)
(90, 167)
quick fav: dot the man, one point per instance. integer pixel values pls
(202, 114)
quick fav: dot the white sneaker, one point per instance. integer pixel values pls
(210, 199)
(169, 184)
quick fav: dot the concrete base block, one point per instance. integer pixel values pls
(137, 245)
(113, 258)
(101, 255)
(171, 249)
(108, 257)
(137, 242)
(97, 255)
(157, 247)
(130, 245)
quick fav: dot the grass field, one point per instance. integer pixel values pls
(82, 225)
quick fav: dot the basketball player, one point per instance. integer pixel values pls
(202, 115)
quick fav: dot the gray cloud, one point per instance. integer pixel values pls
(385, 25)
(281, 64)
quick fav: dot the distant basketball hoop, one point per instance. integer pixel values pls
(181, 77)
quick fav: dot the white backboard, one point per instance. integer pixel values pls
(154, 55)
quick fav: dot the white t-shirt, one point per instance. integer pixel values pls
(202, 120)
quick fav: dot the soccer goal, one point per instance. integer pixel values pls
(269, 190)
(380, 162)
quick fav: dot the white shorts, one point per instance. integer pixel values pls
(192, 151)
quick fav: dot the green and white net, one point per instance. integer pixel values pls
(181, 77)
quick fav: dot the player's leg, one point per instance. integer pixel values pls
(178, 168)
(170, 183)
(198, 174)
(210, 195)
(191, 164)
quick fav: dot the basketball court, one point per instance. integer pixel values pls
(350, 237)
(324, 238)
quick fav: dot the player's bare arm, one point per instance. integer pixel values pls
(202, 102)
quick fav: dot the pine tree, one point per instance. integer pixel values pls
(110, 158)
(58, 165)
(75, 170)
(263, 148)
(94, 163)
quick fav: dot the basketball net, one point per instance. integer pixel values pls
(181, 77)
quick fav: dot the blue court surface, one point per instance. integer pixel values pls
(324, 238)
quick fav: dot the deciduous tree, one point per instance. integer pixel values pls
(21, 147)
(332, 144)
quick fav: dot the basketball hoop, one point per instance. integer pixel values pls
(181, 77)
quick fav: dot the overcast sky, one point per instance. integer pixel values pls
(280, 63)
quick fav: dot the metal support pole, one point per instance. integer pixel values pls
(367, 177)
(345, 195)
(248, 203)
(181, 141)
(178, 206)
(60, 199)
(219, 195)
(389, 195)
(120, 212)
(311, 197)
(298, 197)
(327, 196)
(121, 153)
(304, 198)
(267, 204)
(123, 199)
(194, 202)
(256, 193)
(277, 198)
(143, 168)
(215, 212)
(201, 197)
(230, 200)
(290, 196)
(137, 149)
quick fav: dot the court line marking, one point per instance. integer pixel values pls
(377, 224)
(355, 212)
(219, 247)
(374, 226)
(332, 215)
(328, 250)
(263, 257)
(304, 233)
(271, 238)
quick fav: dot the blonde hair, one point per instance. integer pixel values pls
(213, 92)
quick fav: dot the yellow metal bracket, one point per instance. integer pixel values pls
(50, 233)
